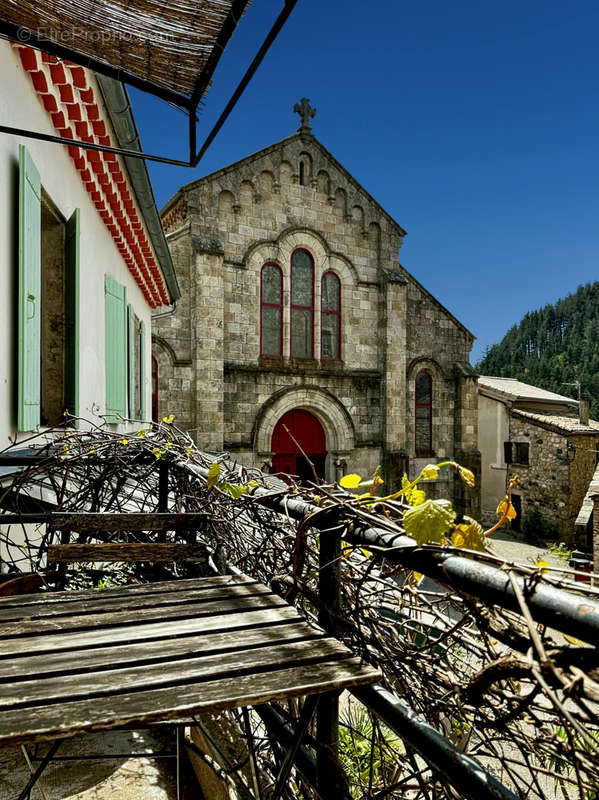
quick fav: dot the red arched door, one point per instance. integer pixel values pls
(309, 434)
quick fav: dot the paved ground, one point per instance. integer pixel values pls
(122, 778)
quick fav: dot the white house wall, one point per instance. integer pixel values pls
(493, 431)
(20, 106)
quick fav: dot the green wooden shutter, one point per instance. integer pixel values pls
(29, 327)
(131, 360)
(115, 331)
(142, 369)
(72, 314)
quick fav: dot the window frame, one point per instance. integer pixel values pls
(268, 304)
(293, 306)
(337, 313)
(423, 452)
(513, 452)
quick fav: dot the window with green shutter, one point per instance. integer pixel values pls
(48, 305)
(115, 328)
(29, 325)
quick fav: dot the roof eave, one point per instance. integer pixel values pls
(119, 110)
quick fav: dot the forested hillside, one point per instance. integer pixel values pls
(557, 345)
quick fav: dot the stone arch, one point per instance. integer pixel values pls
(328, 410)
(357, 213)
(246, 193)
(341, 201)
(304, 169)
(374, 236)
(285, 173)
(226, 201)
(324, 182)
(267, 182)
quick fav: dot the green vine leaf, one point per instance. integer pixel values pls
(351, 481)
(213, 475)
(413, 495)
(469, 535)
(429, 521)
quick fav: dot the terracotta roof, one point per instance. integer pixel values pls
(558, 423)
(515, 390)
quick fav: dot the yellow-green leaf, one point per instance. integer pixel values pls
(466, 475)
(430, 472)
(213, 475)
(573, 640)
(511, 512)
(429, 521)
(469, 535)
(542, 564)
(351, 481)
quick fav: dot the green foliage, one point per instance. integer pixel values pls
(561, 550)
(556, 345)
(535, 527)
(234, 490)
(429, 521)
(364, 747)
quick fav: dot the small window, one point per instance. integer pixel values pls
(516, 453)
(302, 305)
(424, 414)
(330, 318)
(271, 311)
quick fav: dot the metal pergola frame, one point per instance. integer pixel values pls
(188, 104)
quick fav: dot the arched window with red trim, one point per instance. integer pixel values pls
(330, 317)
(302, 305)
(271, 311)
(424, 414)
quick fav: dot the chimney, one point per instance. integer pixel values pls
(583, 408)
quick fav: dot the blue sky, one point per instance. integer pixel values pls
(475, 125)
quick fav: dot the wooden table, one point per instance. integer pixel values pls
(81, 661)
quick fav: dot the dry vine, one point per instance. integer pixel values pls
(516, 697)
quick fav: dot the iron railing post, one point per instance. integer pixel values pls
(328, 773)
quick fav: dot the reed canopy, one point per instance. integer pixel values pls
(167, 47)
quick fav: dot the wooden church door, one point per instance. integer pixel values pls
(309, 434)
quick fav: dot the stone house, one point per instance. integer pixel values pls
(299, 326)
(545, 438)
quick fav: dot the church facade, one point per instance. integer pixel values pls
(300, 334)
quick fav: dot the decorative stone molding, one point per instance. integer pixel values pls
(331, 414)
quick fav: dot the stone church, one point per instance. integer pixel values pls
(299, 331)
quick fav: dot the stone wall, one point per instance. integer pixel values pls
(545, 483)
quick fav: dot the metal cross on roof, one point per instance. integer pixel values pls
(305, 110)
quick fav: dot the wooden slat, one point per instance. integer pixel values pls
(112, 685)
(105, 521)
(69, 719)
(22, 601)
(163, 630)
(110, 618)
(138, 551)
(107, 602)
(202, 641)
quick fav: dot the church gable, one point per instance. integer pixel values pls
(292, 184)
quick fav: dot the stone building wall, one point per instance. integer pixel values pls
(223, 229)
(545, 482)
(582, 469)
